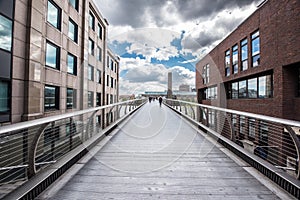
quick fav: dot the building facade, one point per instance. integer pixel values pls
(53, 56)
(257, 67)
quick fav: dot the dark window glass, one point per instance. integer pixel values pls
(111, 82)
(111, 64)
(5, 33)
(52, 55)
(107, 61)
(243, 89)
(90, 99)
(92, 21)
(73, 30)
(75, 4)
(235, 55)
(107, 81)
(98, 100)
(71, 98)
(91, 47)
(99, 57)
(111, 99)
(72, 64)
(91, 73)
(255, 49)
(107, 99)
(100, 31)
(54, 14)
(51, 98)
(98, 76)
(244, 54)
(227, 63)
(252, 88)
(265, 86)
(235, 89)
(4, 97)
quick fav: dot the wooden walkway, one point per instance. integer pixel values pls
(157, 155)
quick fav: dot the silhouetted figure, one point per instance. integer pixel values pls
(160, 101)
(150, 99)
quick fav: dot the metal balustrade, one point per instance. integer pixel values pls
(268, 140)
(28, 147)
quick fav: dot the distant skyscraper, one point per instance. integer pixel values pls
(169, 93)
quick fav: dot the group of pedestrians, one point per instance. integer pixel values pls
(155, 98)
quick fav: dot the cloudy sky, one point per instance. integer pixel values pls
(153, 37)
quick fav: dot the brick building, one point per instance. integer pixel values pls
(257, 67)
(53, 56)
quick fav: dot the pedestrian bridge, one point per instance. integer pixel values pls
(139, 150)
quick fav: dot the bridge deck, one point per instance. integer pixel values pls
(158, 155)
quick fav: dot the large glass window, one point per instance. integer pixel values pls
(5, 33)
(73, 30)
(227, 63)
(54, 14)
(52, 55)
(91, 73)
(234, 90)
(242, 89)
(91, 46)
(98, 99)
(92, 21)
(51, 101)
(4, 97)
(244, 54)
(235, 55)
(99, 57)
(252, 88)
(211, 93)
(90, 99)
(100, 31)
(111, 82)
(72, 64)
(255, 49)
(265, 86)
(71, 98)
(75, 4)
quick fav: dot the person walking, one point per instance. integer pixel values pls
(160, 101)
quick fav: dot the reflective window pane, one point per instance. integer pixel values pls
(242, 89)
(100, 31)
(71, 98)
(54, 14)
(74, 3)
(51, 100)
(52, 56)
(91, 47)
(4, 97)
(72, 64)
(252, 88)
(234, 88)
(5, 33)
(90, 99)
(73, 31)
(265, 86)
(91, 73)
(92, 21)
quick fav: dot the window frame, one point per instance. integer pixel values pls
(99, 55)
(98, 76)
(56, 98)
(75, 39)
(227, 63)
(255, 56)
(73, 105)
(59, 15)
(235, 63)
(90, 102)
(74, 64)
(100, 31)
(98, 99)
(244, 61)
(11, 23)
(91, 47)
(76, 6)
(92, 20)
(91, 73)
(8, 99)
(57, 56)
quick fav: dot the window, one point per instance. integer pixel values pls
(111, 64)
(6, 33)
(4, 97)
(299, 82)
(51, 98)
(211, 93)
(98, 76)
(72, 64)
(116, 67)
(235, 55)
(243, 89)
(265, 86)
(107, 99)
(235, 90)
(252, 88)
(71, 98)
(54, 15)
(205, 74)
(244, 54)
(111, 82)
(111, 99)
(100, 31)
(115, 83)
(73, 31)
(251, 135)
(91, 73)
(98, 99)
(52, 55)
(75, 4)
(227, 63)
(90, 99)
(107, 61)
(92, 21)
(99, 57)
(258, 87)
(91, 46)
(255, 49)
(107, 81)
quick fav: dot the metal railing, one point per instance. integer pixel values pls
(273, 140)
(28, 147)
